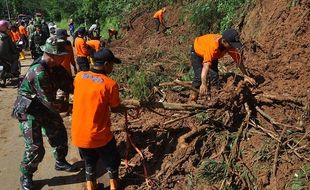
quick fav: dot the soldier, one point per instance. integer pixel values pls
(37, 40)
(67, 61)
(45, 30)
(36, 109)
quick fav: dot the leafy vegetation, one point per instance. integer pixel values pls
(298, 182)
(215, 15)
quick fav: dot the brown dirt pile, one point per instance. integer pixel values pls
(246, 128)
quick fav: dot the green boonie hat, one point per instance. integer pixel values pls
(54, 46)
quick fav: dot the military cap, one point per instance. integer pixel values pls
(55, 46)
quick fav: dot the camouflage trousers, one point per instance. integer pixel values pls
(34, 150)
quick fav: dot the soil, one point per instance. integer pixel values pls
(276, 53)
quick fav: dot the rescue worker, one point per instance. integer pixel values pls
(206, 51)
(8, 51)
(67, 62)
(112, 32)
(82, 50)
(16, 37)
(95, 44)
(159, 18)
(36, 110)
(91, 124)
(37, 40)
(23, 33)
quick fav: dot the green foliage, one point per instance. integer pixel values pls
(228, 10)
(188, 76)
(298, 183)
(212, 171)
(215, 15)
(62, 24)
(263, 153)
(142, 82)
(294, 3)
(202, 117)
(205, 15)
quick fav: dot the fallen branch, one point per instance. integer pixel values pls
(280, 98)
(185, 84)
(275, 161)
(306, 134)
(222, 148)
(296, 153)
(266, 131)
(182, 140)
(273, 121)
(133, 104)
(235, 149)
(180, 118)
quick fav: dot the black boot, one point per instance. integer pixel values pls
(63, 165)
(26, 182)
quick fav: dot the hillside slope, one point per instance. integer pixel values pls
(183, 155)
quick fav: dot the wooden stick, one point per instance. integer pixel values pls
(275, 161)
(133, 104)
(181, 83)
(180, 118)
(296, 153)
(273, 121)
(306, 134)
(280, 98)
(266, 131)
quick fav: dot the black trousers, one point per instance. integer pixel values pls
(196, 61)
(157, 24)
(108, 154)
(83, 63)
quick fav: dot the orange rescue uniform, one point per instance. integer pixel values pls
(22, 30)
(207, 47)
(15, 36)
(69, 58)
(94, 94)
(159, 15)
(94, 44)
(81, 47)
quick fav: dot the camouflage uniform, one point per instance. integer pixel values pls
(37, 40)
(33, 108)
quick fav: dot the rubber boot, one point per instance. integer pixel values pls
(193, 97)
(113, 184)
(22, 55)
(26, 182)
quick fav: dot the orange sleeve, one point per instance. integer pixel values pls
(208, 55)
(81, 47)
(114, 96)
(159, 15)
(235, 55)
(23, 31)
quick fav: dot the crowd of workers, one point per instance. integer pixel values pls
(95, 94)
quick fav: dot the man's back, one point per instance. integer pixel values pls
(8, 50)
(91, 123)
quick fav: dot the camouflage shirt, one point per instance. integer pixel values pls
(41, 83)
